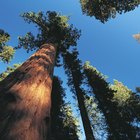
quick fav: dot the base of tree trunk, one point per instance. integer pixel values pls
(25, 98)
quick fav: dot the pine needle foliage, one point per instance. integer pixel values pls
(52, 28)
(119, 126)
(103, 10)
(64, 125)
(6, 52)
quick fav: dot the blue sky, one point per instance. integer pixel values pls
(109, 47)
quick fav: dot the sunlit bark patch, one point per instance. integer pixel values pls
(26, 113)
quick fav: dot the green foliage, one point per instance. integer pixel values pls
(128, 104)
(52, 28)
(122, 94)
(71, 122)
(6, 52)
(73, 68)
(106, 9)
(64, 125)
(96, 117)
(8, 71)
(4, 37)
(117, 117)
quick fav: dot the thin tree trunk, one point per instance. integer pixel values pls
(72, 66)
(25, 98)
(84, 115)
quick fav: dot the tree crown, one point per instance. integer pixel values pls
(6, 52)
(105, 9)
(52, 28)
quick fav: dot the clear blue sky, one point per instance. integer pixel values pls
(109, 47)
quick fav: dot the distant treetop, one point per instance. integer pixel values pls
(106, 9)
(6, 52)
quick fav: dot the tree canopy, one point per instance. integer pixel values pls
(52, 28)
(64, 124)
(113, 101)
(6, 52)
(106, 9)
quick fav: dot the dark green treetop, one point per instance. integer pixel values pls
(122, 94)
(128, 104)
(6, 52)
(114, 104)
(73, 67)
(106, 9)
(52, 28)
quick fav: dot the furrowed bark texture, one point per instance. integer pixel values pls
(25, 98)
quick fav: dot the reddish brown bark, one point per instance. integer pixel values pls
(25, 98)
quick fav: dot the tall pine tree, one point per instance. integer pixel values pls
(118, 126)
(128, 104)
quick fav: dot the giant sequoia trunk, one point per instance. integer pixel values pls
(25, 98)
